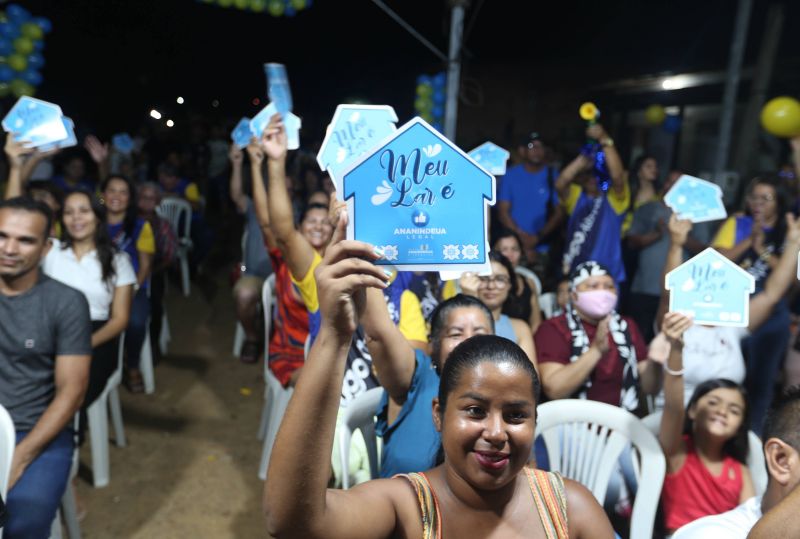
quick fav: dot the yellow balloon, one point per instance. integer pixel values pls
(781, 117)
(655, 114)
(589, 111)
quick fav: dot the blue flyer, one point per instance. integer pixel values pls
(712, 290)
(278, 88)
(241, 134)
(491, 157)
(696, 199)
(35, 121)
(422, 200)
(69, 140)
(354, 129)
(291, 123)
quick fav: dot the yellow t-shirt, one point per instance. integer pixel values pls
(146, 242)
(412, 323)
(726, 235)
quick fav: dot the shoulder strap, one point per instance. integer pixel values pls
(551, 502)
(428, 505)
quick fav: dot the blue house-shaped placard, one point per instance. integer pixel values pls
(353, 131)
(696, 199)
(422, 200)
(491, 157)
(36, 121)
(712, 290)
(241, 134)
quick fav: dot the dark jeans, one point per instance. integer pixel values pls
(104, 363)
(137, 327)
(764, 351)
(34, 499)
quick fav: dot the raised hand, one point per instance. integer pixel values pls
(16, 150)
(596, 132)
(674, 326)
(273, 139)
(679, 230)
(255, 152)
(792, 229)
(96, 149)
(235, 155)
(343, 276)
(469, 282)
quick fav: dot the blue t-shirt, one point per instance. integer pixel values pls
(411, 442)
(528, 194)
(82, 185)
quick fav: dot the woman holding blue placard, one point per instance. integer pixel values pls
(485, 410)
(755, 241)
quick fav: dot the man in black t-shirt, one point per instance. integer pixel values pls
(45, 350)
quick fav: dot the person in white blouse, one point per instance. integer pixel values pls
(86, 259)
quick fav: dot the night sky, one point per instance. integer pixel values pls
(108, 62)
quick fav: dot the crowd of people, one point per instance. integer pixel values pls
(574, 307)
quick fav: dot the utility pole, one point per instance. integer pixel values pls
(731, 85)
(454, 67)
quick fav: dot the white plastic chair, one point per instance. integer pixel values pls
(146, 362)
(179, 214)
(525, 272)
(755, 453)
(584, 441)
(360, 414)
(97, 414)
(548, 304)
(239, 336)
(8, 442)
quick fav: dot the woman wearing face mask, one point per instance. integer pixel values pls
(590, 351)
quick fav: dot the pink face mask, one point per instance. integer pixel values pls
(596, 303)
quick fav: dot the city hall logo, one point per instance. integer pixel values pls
(420, 219)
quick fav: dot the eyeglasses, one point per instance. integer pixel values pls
(760, 198)
(499, 281)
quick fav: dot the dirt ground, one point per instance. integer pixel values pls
(190, 466)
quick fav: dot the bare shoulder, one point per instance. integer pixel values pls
(586, 517)
(389, 507)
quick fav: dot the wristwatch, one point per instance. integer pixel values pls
(607, 142)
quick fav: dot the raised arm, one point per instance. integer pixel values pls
(568, 174)
(237, 193)
(296, 249)
(296, 499)
(678, 233)
(392, 355)
(16, 152)
(615, 168)
(671, 431)
(99, 153)
(781, 277)
(260, 199)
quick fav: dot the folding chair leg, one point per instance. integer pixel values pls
(69, 510)
(185, 275)
(165, 337)
(146, 363)
(98, 435)
(116, 417)
(238, 339)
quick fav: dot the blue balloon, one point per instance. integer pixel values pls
(437, 111)
(38, 45)
(17, 13)
(423, 79)
(44, 23)
(9, 30)
(438, 126)
(440, 80)
(672, 124)
(6, 47)
(439, 98)
(35, 60)
(290, 11)
(6, 73)
(32, 77)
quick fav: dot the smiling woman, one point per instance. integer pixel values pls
(485, 411)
